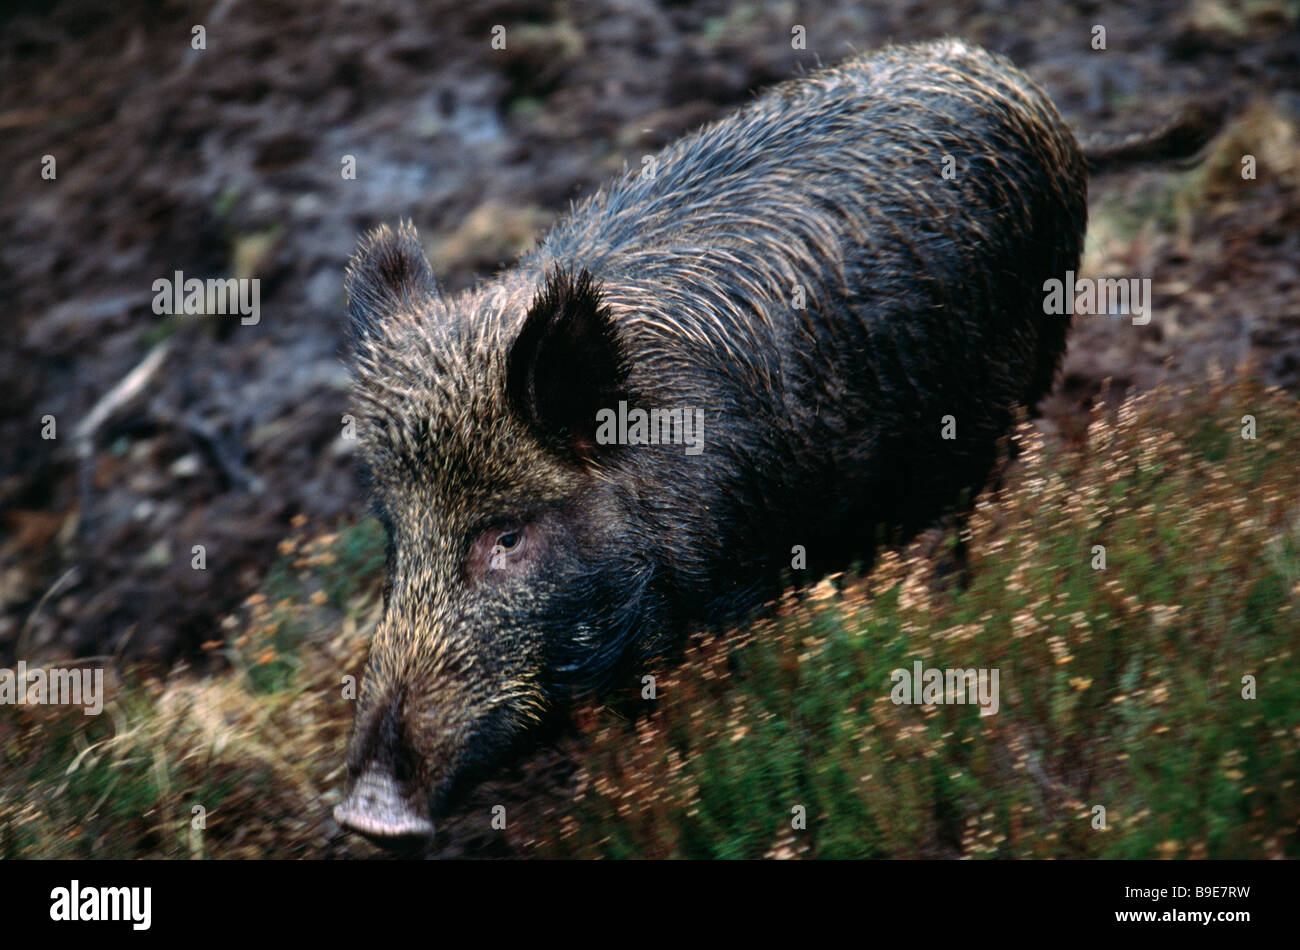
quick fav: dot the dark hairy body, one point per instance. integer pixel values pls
(803, 272)
(923, 298)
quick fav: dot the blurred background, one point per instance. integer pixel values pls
(175, 431)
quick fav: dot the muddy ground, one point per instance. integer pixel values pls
(227, 161)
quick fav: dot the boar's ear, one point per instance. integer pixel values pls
(388, 278)
(567, 364)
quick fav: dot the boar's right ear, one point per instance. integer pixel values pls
(389, 277)
(567, 364)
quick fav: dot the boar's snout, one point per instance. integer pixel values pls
(378, 807)
(383, 800)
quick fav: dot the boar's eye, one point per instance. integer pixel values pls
(507, 550)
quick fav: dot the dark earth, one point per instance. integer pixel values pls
(227, 162)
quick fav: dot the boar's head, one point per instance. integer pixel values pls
(516, 570)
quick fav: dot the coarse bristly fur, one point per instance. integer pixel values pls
(529, 560)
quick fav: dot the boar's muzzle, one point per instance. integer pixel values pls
(382, 800)
(377, 807)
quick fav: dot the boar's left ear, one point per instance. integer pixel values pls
(387, 279)
(567, 364)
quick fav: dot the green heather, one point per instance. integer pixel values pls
(1120, 688)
